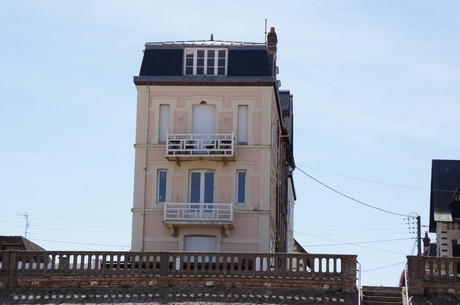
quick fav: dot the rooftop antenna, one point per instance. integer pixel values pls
(26, 217)
(212, 37)
(265, 30)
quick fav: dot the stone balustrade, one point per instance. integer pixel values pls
(28, 269)
(433, 275)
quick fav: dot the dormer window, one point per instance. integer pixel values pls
(205, 62)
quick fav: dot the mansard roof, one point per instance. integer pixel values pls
(163, 60)
(445, 181)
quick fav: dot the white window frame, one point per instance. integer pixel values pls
(162, 185)
(238, 190)
(194, 67)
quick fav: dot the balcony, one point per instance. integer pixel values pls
(200, 146)
(199, 214)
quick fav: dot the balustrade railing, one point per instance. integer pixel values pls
(428, 274)
(45, 264)
(200, 145)
(198, 212)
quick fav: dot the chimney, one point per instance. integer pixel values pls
(272, 40)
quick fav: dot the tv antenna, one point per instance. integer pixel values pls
(27, 225)
(265, 30)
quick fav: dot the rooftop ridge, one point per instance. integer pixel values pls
(205, 43)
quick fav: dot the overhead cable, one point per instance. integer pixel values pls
(351, 198)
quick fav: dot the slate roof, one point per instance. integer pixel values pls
(166, 59)
(18, 243)
(445, 179)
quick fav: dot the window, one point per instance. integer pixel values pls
(242, 128)
(161, 186)
(164, 123)
(241, 187)
(202, 187)
(205, 62)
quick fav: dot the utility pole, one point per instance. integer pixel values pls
(419, 236)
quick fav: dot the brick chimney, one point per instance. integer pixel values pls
(272, 40)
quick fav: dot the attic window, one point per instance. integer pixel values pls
(205, 62)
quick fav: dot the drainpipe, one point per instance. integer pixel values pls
(146, 131)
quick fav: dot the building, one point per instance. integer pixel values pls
(214, 149)
(18, 243)
(445, 207)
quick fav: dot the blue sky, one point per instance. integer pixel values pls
(376, 86)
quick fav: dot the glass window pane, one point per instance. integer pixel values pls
(195, 187)
(162, 186)
(200, 62)
(211, 53)
(209, 187)
(222, 53)
(221, 62)
(210, 71)
(200, 53)
(189, 71)
(221, 71)
(199, 71)
(241, 187)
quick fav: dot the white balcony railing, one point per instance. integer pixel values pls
(200, 145)
(198, 213)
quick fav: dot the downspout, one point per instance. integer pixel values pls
(146, 131)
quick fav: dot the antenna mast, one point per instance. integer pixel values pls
(26, 217)
(265, 30)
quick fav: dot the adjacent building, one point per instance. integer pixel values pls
(445, 207)
(213, 150)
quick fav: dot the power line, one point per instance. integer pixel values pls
(359, 242)
(379, 182)
(77, 243)
(362, 246)
(351, 198)
(383, 267)
(369, 180)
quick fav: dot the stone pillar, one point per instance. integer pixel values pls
(349, 270)
(415, 275)
(9, 280)
(164, 269)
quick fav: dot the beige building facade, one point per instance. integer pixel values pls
(213, 150)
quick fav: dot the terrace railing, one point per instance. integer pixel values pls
(77, 269)
(433, 275)
(198, 213)
(189, 146)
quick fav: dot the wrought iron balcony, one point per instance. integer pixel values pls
(200, 146)
(206, 214)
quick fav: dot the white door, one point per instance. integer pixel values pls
(197, 243)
